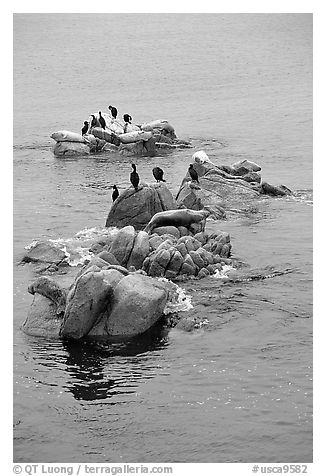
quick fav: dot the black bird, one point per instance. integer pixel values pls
(158, 174)
(114, 111)
(85, 128)
(115, 193)
(101, 120)
(193, 174)
(134, 177)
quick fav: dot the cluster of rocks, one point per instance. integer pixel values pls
(199, 255)
(102, 301)
(118, 292)
(223, 187)
(155, 135)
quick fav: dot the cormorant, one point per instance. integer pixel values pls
(158, 174)
(85, 128)
(114, 111)
(127, 118)
(101, 120)
(115, 193)
(193, 174)
(134, 177)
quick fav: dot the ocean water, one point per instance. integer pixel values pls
(239, 389)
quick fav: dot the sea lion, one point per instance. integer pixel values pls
(49, 288)
(183, 217)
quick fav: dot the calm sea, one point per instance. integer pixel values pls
(239, 86)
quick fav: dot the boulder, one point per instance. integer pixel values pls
(42, 319)
(169, 230)
(69, 149)
(275, 191)
(123, 244)
(44, 252)
(138, 207)
(217, 190)
(138, 304)
(87, 300)
(140, 250)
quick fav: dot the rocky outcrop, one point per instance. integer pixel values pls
(137, 304)
(149, 137)
(137, 207)
(223, 187)
(44, 252)
(102, 302)
(216, 189)
(42, 319)
(199, 255)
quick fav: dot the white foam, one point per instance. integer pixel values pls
(76, 249)
(179, 301)
(222, 274)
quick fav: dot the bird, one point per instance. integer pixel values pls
(193, 174)
(134, 177)
(158, 174)
(115, 193)
(101, 120)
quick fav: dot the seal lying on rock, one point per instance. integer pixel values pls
(183, 217)
(47, 287)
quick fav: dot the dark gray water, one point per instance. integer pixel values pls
(240, 388)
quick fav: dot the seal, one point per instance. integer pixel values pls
(183, 217)
(47, 287)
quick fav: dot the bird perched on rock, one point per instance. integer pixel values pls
(101, 120)
(193, 174)
(134, 177)
(115, 193)
(158, 174)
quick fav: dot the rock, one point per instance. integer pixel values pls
(252, 177)
(70, 149)
(186, 324)
(211, 268)
(203, 273)
(155, 269)
(169, 230)
(175, 263)
(275, 191)
(95, 263)
(108, 257)
(138, 207)
(181, 247)
(50, 289)
(45, 252)
(155, 241)
(197, 259)
(202, 237)
(226, 249)
(140, 250)
(123, 244)
(138, 304)
(247, 165)
(217, 190)
(162, 258)
(87, 300)
(183, 231)
(96, 248)
(42, 319)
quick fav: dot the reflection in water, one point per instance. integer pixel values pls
(95, 369)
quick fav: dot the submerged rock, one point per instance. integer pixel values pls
(45, 252)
